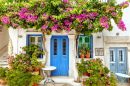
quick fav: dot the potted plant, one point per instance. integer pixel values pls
(113, 80)
(3, 75)
(35, 80)
(11, 60)
(36, 64)
(22, 62)
(18, 78)
(90, 72)
(86, 82)
(88, 52)
(33, 50)
(82, 50)
(82, 70)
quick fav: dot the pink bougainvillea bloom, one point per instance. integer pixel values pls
(84, 80)
(6, 71)
(86, 65)
(24, 62)
(26, 56)
(121, 26)
(90, 81)
(100, 81)
(105, 77)
(100, 72)
(103, 65)
(20, 60)
(108, 82)
(90, 25)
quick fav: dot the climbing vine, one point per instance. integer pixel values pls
(85, 16)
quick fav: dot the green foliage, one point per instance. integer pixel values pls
(35, 79)
(17, 78)
(33, 50)
(3, 72)
(22, 62)
(60, 12)
(36, 63)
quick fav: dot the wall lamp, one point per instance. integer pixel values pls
(98, 36)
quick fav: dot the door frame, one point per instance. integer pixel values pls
(66, 49)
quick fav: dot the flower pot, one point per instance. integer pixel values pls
(2, 82)
(29, 69)
(107, 85)
(86, 74)
(82, 56)
(83, 85)
(91, 75)
(10, 66)
(35, 84)
(87, 55)
(36, 69)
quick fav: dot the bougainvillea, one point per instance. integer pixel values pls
(85, 16)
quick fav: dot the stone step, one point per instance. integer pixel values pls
(4, 66)
(3, 62)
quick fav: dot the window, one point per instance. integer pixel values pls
(36, 40)
(88, 41)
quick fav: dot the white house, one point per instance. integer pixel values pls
(61, 47)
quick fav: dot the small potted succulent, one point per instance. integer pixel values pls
(3, 75)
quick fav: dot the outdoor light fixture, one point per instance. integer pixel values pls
(98, 36)
(117, 33)
(20, 36)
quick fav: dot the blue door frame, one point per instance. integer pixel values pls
(60, 55)
(118, 61)
(27, 42)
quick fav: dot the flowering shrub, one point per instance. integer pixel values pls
(51, 15)
(33, 50)
(3, 72)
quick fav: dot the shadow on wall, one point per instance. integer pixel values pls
(4, 39)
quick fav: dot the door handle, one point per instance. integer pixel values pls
(64, 56)
(55, 56)
(112, 64)
(121, 63)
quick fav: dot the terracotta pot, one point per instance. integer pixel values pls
(107, 85)
(10, 66)
(29, 69)
(35, 84)
(87, 55)
(86, 74)
(2, 82)
(36, 69)
(82, 56)
(83, 85)
(91, 75)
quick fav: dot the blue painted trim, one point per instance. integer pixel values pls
(91, 46)
(27, 42)
(91, 41)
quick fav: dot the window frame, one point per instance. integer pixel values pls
(91, 46)
(27, 41)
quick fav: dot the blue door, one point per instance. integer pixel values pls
(118, 61)
(60, 55)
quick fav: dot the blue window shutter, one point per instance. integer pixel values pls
(27, 43)
(91, 46)
(108, 0)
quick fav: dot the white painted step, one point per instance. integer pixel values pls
(63, 79)
(3, 63)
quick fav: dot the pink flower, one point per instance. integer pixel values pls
(105, 77)
(108, 82)
(100, 81)
(121, 26)
(90, 81)
(6, 71)
(20, 60)
(24, 62)
(100, 72)
(26, 56)
(90, 25)
(115, 76)
(103, 65)
(86, 65)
